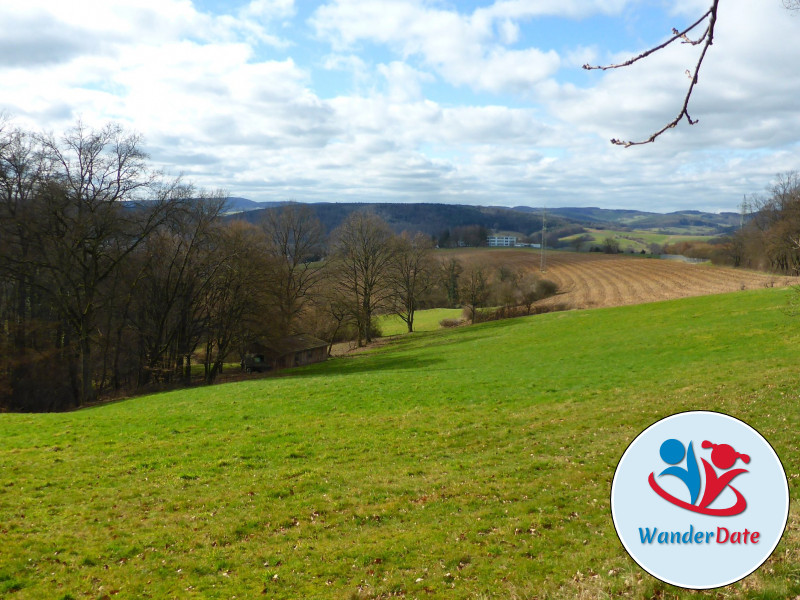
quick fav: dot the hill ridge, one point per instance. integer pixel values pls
(432, 218)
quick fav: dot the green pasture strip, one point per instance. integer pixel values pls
(198, 368)
(424, 320)
(636, 239)
(466, 463)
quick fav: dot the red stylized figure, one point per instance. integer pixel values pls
(724, 457)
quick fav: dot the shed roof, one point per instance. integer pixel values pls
(287, 345)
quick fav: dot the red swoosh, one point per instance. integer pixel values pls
(737, 508)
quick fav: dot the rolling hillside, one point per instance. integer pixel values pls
(468, 463)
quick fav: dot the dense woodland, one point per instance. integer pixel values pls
(117, 279)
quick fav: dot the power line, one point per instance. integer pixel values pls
(543, 265)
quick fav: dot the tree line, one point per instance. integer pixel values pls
(115, 278)
(768, 238)
(109, 269)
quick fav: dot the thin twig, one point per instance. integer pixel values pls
(677, 35)
(707, 39)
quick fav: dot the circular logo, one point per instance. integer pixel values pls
(699, 500)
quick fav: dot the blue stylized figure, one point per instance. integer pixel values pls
(672, 452)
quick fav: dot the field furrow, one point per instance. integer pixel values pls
(588, 280)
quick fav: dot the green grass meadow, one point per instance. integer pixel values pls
(466, 463)
(424, 320)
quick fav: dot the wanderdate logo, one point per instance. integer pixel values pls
(699, 499)
(723, 457)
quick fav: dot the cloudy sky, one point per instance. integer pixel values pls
(419, 100)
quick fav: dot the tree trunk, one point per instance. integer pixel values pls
(368, 326)
(187, 372)
(87, 387)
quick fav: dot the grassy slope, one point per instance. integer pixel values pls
(636, 239)
(466, 463)
(424, 320)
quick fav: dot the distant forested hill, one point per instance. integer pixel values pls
(433, 219)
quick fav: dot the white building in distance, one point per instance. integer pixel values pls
(502, 240)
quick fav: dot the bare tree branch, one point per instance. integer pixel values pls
(707, 39)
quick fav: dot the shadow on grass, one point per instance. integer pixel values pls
(403, 352)
(397, 355)
(364, 363)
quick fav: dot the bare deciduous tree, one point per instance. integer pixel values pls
(531, 291)
(473, 290)
(232, 302)
(412, 272)
(86, 217)
(362, 252)
(294, 238)
(450, 272)
(578, 241)
(611, 245)
(180, 261)
(770, 239)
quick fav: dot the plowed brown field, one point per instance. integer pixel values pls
(588, 280)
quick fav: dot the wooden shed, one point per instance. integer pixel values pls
(290, 351)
